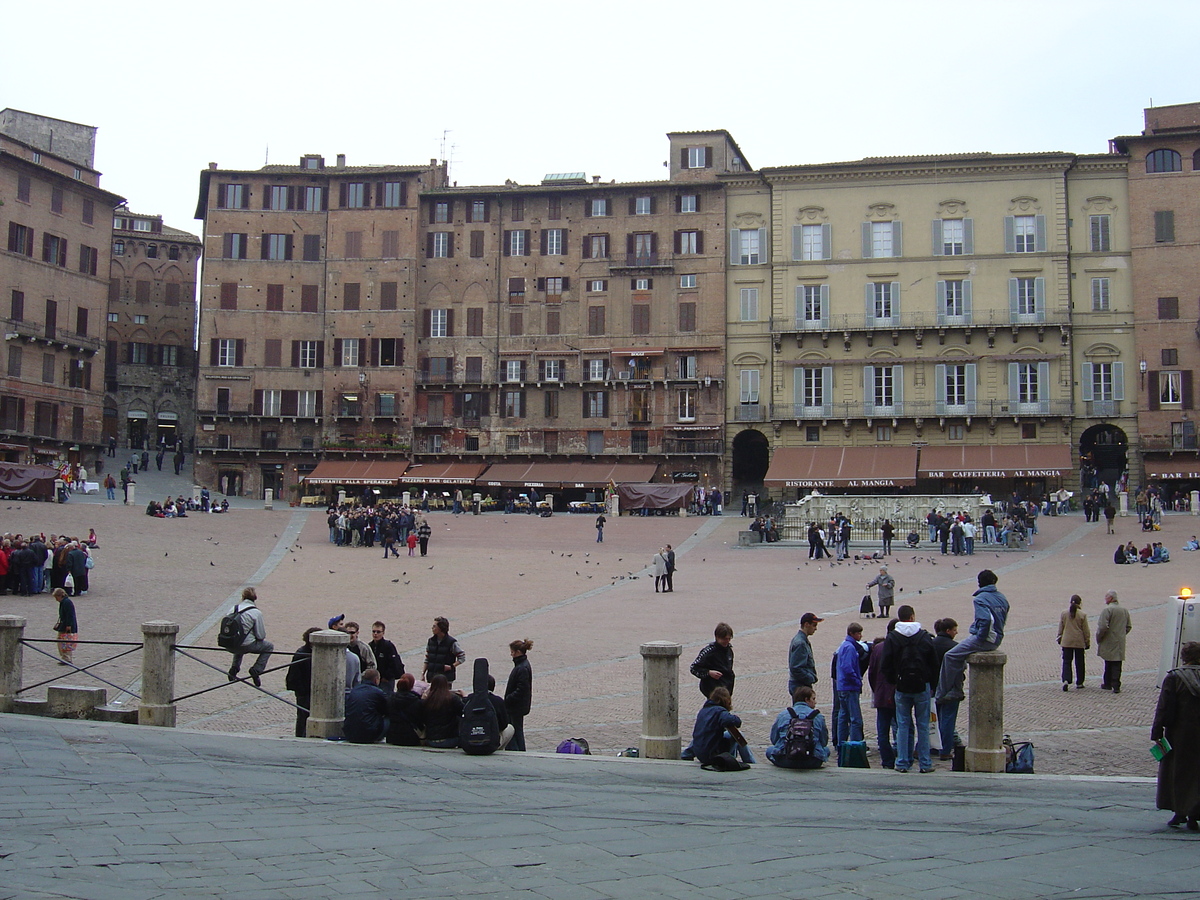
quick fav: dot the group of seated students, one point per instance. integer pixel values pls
(766, 528)
(716, 732)
(408, 717)
(177, 508)
(1128, 554)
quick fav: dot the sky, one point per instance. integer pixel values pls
(520, 90)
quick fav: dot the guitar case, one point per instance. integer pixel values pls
(479, 730)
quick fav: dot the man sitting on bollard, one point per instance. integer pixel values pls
(366, 711)
(255, 640)
(987, 632)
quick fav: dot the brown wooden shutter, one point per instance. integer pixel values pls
(342, 195)
(337, 351)
(427, 322)
(543, 247)
(379, 193)
(404, 193)
(429, 245)
(320, 403)
(366, 194)
(449, 323)
(653, 204)
(1186, 384)
(683, 158)
(678, 240)
(320, 354)
(289, 243)
(374, 352)
(295, 354)
(214, 352)
(487, 210)
(239, 353)
(289, 403)
(505, 250)
(258, 402)
(708, 157)
(1152, 381)
(699, 241)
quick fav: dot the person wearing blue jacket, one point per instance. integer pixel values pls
(987, 632)
(805, 700)
(848, 684)
(709, 736)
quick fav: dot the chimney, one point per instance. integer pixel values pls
(212, 166)
(341, 160)
(595, 179)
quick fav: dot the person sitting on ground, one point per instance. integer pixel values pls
(913, 540)
(406, 716)
(1193, 544)
(1145, 554)
(786, 754)
(366, 711)
(716, 729)
(1120, 557)
(1158, 553)
(442, 710)
(1131, 552)
(506, 728)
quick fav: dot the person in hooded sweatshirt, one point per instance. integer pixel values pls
(910, 663)
(987, 633)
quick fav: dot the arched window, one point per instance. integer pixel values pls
(1196, 161)
(1163, 161)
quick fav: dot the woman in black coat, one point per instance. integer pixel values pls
(67, 627)
(299, 681)
(518, 693)
(442, 709)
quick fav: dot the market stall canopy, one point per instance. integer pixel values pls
(566, 474)
(443, 473)
(998, 461)
(27, 481)
(840, 467)
(654, 496)
(356, 471)
(1173, 469)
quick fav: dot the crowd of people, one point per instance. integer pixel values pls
(385, 522)
(37, 563)
(383, 700)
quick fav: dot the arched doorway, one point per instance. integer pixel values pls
(1105, 449)
(751, 457)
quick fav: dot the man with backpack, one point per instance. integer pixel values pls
(242, 632)
(799, 737)
(910, 663)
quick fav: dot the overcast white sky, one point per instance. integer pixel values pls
(528, 88)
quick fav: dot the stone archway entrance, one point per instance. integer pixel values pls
(1105, 449)
(751, 458)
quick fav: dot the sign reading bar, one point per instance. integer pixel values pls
(1173, 476)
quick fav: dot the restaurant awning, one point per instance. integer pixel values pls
(566, 474)
(830, 467)
(1173, 469)
(634, 352)
(443, 473)
(997, 461)
(357, 471)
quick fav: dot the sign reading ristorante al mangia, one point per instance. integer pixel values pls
(854, 482)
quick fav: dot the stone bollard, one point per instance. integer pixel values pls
(1195, 498)
(1124, 510)
(158, 674)
(12, 629)
(132, 491)
(327, 707)
(341, 500)
(660, 700)
(985, 752)
(269, 498)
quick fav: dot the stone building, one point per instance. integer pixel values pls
(57, 223)
(150, 363)
(571, 325)
(306, 319)
(1164, 222)
(910, 322)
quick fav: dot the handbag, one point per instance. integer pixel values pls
(90, 563)
(935, 733)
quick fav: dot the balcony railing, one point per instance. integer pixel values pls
(986, 318)
(642, 261)
(1169, 442)
(918, 409)
(1102, 409)
(750, 412)
(675, 446)
(639, 417)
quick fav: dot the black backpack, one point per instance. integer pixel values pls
(479, 729)
(912, 673)
(799, 743)
(233, 630)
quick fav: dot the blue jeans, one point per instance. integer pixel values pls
(989, 534)
(970, 546)
(850, 721)
(908, 706)
(599, 535)
(884, 719)
(947, 713)
(950, 679)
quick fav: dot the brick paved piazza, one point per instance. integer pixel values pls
(588, 607)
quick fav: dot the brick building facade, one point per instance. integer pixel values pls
(57, 227)
(150, 361)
